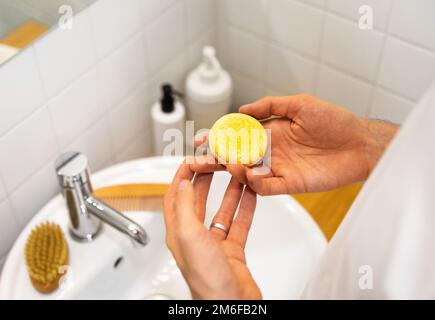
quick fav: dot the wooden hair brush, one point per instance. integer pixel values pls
(45, 254)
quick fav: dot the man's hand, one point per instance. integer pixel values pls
(212, 261)
(315, 146)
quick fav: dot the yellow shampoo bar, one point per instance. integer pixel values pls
(237, 138)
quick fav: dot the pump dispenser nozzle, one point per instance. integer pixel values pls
(210, 67)
(168, 100)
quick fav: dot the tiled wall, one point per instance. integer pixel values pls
(90, 89)
(279, 47)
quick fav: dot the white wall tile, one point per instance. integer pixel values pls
(387, 106)
(244, 53)
(246, 91)
(34, 193)
(96, 144)
(77, 107)
(406, 69)
(130, 117)
(26, 148)
(318, 3)
(9, 227)
(414, 21)
(349, 8)
(174, 73)
(20, 89)
(113, 21)
(350, 48)
(123, 70)
(290, 72)
(140, 147)
(152, 9)
(343, 90)
(194, 58)
(166, 37)
(249, 15)
(296, 25)
(275, 92)
(200, 17)
(64, 54)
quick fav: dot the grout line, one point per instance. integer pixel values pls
(38, 108)
(310, 58)
(15, 217)
(320, 58)
(219, 29)
(264, 80)
(102, 99)
(102, 112)
(135, 139)
(9, 192)
(375, 82)
(274, 43)
(352, 20)
(385, 30)
(320, 53)
(52, 158)
(412, 43)
(187, 41)
(314, 5)
(153, 19)
(336, 69)
(399, 95)
(375, 85)
(97, 63)
(348, 73)
(30, 115)
(2, 183)
(198, 38)
(85, 132)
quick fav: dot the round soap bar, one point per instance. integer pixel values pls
(237, 138)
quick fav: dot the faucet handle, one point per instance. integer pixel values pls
(72, 169)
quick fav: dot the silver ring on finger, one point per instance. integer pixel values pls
(219, 226)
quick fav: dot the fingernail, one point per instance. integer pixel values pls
(183, 185)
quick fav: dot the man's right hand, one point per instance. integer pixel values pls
(315, 146)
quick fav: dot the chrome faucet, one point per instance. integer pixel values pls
(86, 211)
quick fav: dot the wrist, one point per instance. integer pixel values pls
(230, 291)
(376, 135)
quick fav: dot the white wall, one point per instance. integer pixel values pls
(280, 47)
(90, 89)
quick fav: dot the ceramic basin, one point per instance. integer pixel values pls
(282, 250)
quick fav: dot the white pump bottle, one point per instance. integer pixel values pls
(208, 91)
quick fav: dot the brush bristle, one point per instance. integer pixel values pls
(46, 251)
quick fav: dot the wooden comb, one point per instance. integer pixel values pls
(134, 197)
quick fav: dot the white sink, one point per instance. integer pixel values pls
(282, 250)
